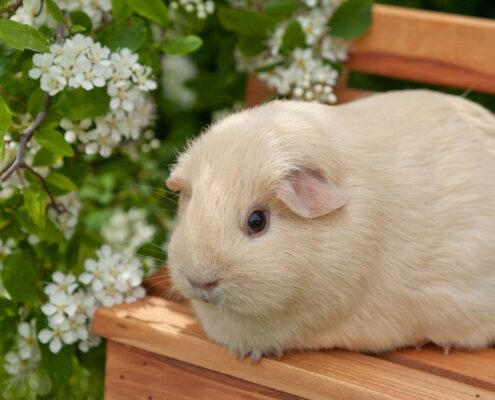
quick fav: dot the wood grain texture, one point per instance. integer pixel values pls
(474, 368)
(169, 329)
(133, 374)
(426, 46)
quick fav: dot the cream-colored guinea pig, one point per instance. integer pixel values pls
(367, 226)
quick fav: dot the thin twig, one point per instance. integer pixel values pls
(25, 138)
(53, 203)
(40, 10)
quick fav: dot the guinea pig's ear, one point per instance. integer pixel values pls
(175, 182)
(310, 196)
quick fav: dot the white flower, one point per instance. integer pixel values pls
(127, 231)
(63, 284)
(92, 77)
(91, 341)
(123, 96)
(26, 341)
(99, 54)
(93, 275)
(313, 26)
(42, 64)
(78, 43)
(176, 72)
(59, 307)
(74, 129)
(15, 365)
(56, 335)
(98, 142)
(141, 77)
(53, 82)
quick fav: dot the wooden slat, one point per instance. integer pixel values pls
(170, 329)
(133, 374)
(474, 368)
(428, 46)
(257, 92)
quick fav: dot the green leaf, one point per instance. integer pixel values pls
(121, 10)
(53, 140)
(61, 181)
(280, 9)
(293, 37)
(251, 45)
(132, 34)
(20, 36)
(50, 232)
(154, 10)
(80, 104)
(245, 22)
(45, 158)
(55, 11)
(5, 119)
(35, 102)
(58, 366)
(81, 18)
(36, 200)
(182, 45)
(77, 28)
(352, 19)
(19, 277)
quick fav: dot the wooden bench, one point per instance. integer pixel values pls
(156, 349)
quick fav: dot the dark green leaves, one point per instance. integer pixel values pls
(154, 10)
(20, 36)
(5, 120)
(352, 19)
(55, 11)
(79, 104)
(53, 140)
(19, 277)
(61, 181)
(58, 366)
(121, 10)
(293, 36)
(245, 22)
(132, 34)
(182, 45)
(35, 201)
(280, 9)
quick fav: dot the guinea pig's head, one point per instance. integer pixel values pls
(251, 190)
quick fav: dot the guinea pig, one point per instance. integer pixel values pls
(368, 226)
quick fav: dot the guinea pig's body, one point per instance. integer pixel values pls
(405, 255)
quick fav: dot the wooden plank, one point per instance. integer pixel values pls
(170, 329)
(136, 374)
(474, 368)
(428, 46)
(257, 92)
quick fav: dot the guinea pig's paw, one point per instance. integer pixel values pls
(257, 355)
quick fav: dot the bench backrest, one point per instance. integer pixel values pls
(417, 45)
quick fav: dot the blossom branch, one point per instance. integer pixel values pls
(53, 203)
(30, 131)
(25, 138)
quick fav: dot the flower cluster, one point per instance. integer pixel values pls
(35, 13)
(26, 355)
(82, 63)
(176, 72)
(307, 72)
(199, 7)
(112, 278)
(127, 231)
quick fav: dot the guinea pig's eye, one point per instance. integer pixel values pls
(257, 222)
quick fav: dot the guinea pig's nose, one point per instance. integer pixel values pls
(204, 284)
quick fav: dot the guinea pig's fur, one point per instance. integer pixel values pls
(391, 242)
